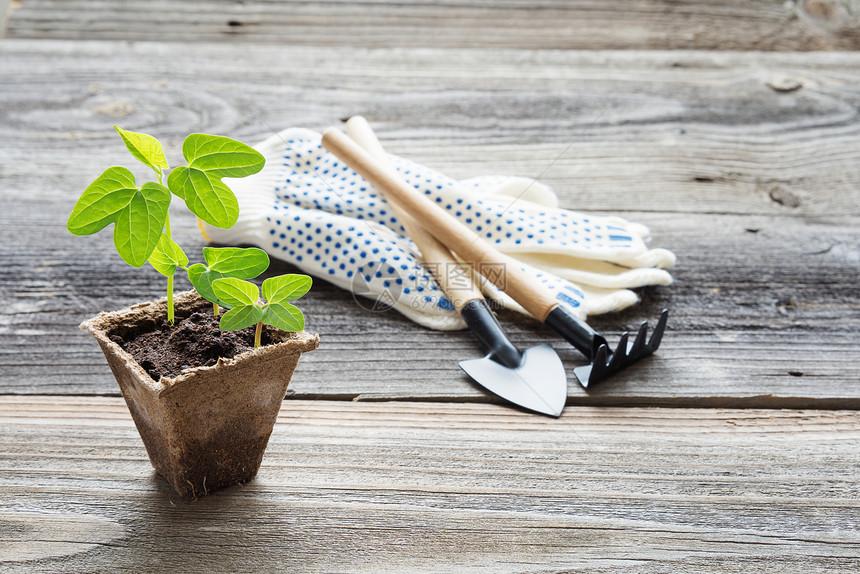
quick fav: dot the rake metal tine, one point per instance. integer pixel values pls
(620, 355)
(594, 371)
(638, 346)
(657, 336)
(599, 364)
(601, 358)
(583, 375)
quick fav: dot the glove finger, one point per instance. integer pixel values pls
(662, 258)
(519, 188)
(602, 274)
(607, 300)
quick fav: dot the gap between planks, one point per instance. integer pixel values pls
(105, 410)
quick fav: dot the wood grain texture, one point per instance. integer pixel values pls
(698, 132)
(552, 24)
(5, 9)
(764, 313)
(394, 487)
(697, 146)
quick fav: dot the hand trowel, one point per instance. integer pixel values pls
(533, 379)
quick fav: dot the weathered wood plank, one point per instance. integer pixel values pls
(434, 487)
(552, 24)
(5, 9)
(765, 318)
(666, 132)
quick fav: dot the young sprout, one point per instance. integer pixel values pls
(140, 214)
(276, 310)
(225, 262)
(220, 262)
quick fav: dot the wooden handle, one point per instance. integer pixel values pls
(487, 260)
(454, 277)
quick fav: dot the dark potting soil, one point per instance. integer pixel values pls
(194, 341)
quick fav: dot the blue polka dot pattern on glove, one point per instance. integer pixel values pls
(310, 209)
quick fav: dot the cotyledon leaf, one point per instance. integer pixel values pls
(167, 256)
(283, 316)
(285, 287)
(236, 292)
(207, 198)
(239, 262)
(139, 225)
(201, 278)
(241, 317)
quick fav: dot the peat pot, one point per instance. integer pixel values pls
(208, 427)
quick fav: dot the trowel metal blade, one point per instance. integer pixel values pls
(538, 384)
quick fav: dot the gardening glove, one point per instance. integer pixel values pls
(303, 189)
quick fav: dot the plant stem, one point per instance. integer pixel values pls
(257, 334)
(166, 221)
(216, 309)
(170, 299)
(170, 313)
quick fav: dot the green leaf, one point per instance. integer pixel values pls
(236, 292)
(241, 317)
(283, 316)
(285, 287)
(102, 201)
(201, 278)
(139, 225)
(138, 214)
(209, 159)
(167, 256)
(145, 148)
(242, 263)
(221, 157)
(207, 198)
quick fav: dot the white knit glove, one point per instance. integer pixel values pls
(308, 208)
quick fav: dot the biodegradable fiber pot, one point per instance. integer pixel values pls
(208, 427)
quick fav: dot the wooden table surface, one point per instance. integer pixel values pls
(731, 128)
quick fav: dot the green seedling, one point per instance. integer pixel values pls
(225, 262)
(140, 214)
(241, 263)
(276, 310)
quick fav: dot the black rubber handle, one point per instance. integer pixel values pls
(489, 333)
(576, 332)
